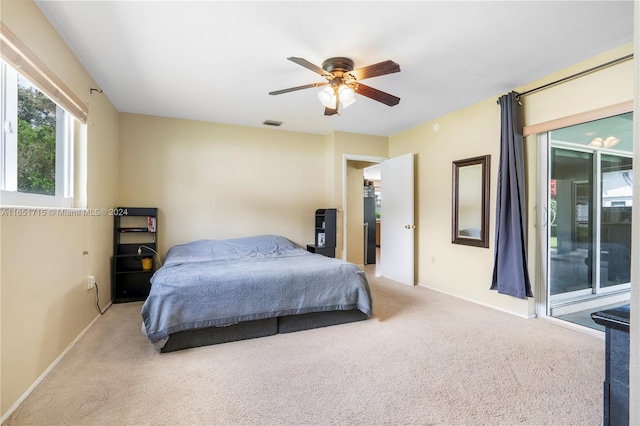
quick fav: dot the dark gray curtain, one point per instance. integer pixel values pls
(510, 272)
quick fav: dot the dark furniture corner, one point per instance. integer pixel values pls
(325, 233)
(616, 382)
(133, 227)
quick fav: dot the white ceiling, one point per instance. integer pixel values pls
(216, 61)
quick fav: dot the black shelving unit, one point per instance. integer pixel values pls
(325, 233)
(617, 349)
(133, 227)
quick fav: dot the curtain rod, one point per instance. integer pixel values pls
(581, 73)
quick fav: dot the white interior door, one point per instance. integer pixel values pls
(396, 226)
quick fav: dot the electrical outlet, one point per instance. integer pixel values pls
(91, 282)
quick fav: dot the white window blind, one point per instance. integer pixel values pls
(19, 56)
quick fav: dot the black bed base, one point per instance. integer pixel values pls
(258, 328)
(291, 323)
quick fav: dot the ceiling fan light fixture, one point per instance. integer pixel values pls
(327, 97)
(611, 141)
(342, 81)
(346, 103)
(596, 143)
(346, 94)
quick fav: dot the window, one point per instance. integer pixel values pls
(37, 146)
(38, 114)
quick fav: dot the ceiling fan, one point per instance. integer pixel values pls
(343, 82)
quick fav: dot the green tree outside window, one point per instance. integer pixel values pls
(36, 141)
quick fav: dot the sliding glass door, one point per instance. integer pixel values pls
(589, 184)
(615, 220)
(571, 241)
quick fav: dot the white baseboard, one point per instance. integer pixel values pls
(478, 303)
(24, 396)
(566, 324)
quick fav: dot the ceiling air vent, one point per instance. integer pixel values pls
(272, 123)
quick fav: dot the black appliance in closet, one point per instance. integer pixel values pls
(369, 224)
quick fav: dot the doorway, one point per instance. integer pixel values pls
(397, 228)
(362, 178)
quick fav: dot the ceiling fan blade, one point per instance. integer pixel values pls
(309, 65)
(381, 68)
(330, 111)
(293, 89)
(377, 95)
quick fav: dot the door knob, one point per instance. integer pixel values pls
(409, 227)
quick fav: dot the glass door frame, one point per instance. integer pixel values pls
(576, 148)
(543, 296)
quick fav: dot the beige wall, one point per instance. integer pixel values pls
(467, 133)
(475, 131)
(44, 301)
(221, 181)
(606, 87)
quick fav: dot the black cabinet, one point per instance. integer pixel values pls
(135, 245)
(616, 382)
(325, 233)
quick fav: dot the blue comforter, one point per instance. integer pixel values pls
(222, 282)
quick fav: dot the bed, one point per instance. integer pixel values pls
(216, 291)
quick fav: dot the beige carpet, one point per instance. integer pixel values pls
(425, 359)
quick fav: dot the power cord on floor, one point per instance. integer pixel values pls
(98, 301)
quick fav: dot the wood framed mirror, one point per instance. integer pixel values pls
(470, 224)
